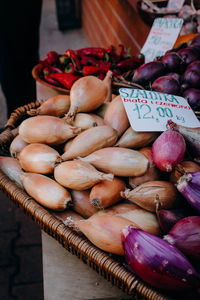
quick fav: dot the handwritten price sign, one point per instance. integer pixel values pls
(150, 111)
(163, 35)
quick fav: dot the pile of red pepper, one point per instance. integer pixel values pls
(62, 70)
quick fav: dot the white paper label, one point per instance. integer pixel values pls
(150, 111)
(162, 37)
(175, 5)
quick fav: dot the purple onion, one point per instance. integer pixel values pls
(195, 41)
(192, 77)
(167, 218)
(148, 72)
(157, 262)
(166, 84)
(174, 62)
(189, 54)
(185, 235)
(175, 76)
(189, 186)
(194, 66)
(193, 97)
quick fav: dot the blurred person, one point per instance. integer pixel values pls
(19, 50)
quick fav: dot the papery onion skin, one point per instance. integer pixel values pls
(145, 195)
(118, 161)
(46, 129)
(11, 167)
(56, 106)
(78, 175)
(91, 140)
(16, 146)
(157, 262)
(46, 191)
(116, 116)
(105, 232)
(38, 158)
(81, 203)
(168, 150)
(185, 235)
(106, 193)
(189, 186)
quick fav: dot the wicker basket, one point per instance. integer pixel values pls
(111, 267)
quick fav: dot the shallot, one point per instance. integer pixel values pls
(78, 175)
(144, 219)
(106, 193)
(16, 146)
(104, 231)
(168, 150)
(11, 167)
(134, 139)
(38, 158)
(81, 203)
(87, 94)
(118, 161)
(157, 262)
(56, 106)
(116, 116)
(46, 191)
(183, 168)
(91, 140)
(46, 129)
(145, 195)
(86, 121)
(185, 235)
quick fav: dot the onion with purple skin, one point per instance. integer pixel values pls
(168, 150)
(149, 72)
(174, 62)
(166, 84)
(167, 218)
(157, 262)
(195, 41)
(192, 77)
(189, 54)
(189, 186)
(175, 76)
(192, 137)
(194, 66)
(185, 235)
(193, 97)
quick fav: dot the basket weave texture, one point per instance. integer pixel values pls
(95, 258)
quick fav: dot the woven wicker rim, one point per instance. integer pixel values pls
(78, 245)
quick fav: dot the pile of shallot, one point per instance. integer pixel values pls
(126, 191)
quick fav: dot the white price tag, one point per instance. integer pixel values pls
(162, 36)
(150, 111)
(175, 5)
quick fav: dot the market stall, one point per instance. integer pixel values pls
(106, 162)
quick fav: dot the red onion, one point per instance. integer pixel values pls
(192, 137)
(157, 262)
(189, 54)
(189, 186)
(174, 62)
(185, 235)
(168, 150)
(167, 218)
(149, 72)
(193, 97)
(166, 84)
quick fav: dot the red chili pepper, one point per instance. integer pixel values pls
(64, 60)
(65, 79)
(71, 53)
(50, 80)
(88, 60)
(111, 51)
(92, 51)
(128, 64)
(90, 70)
(51, 57)
(51, 68)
